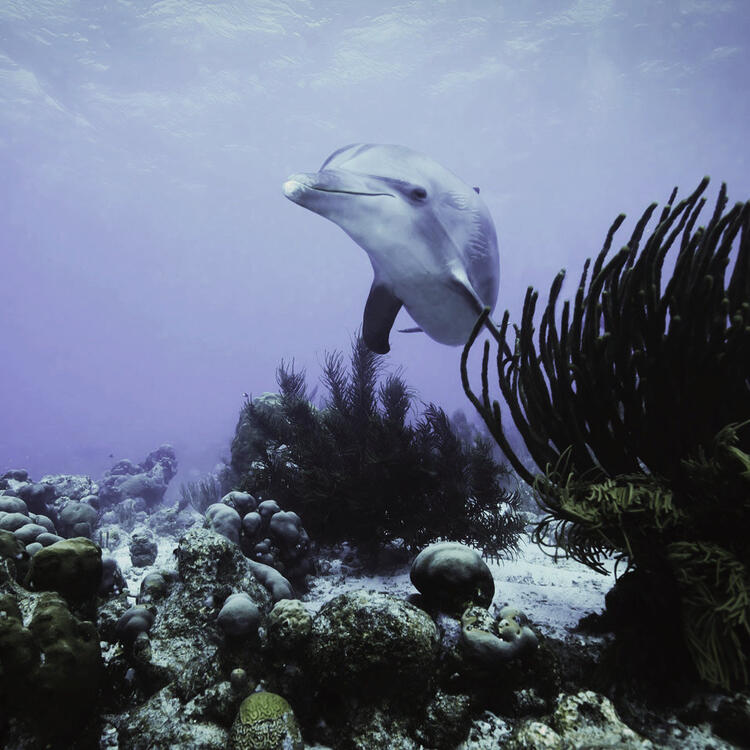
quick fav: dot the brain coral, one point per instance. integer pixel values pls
(265, 721)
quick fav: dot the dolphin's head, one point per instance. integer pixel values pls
(368, 191)
(392, 200)
(429, 236)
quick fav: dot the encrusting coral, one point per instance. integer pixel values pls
(634, 405)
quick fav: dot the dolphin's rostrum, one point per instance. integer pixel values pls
(429, 236)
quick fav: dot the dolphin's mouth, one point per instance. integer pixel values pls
(345, 192)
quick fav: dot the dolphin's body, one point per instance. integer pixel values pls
(429, 236)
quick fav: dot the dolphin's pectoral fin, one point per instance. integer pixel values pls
(416, 329)
(380, 311)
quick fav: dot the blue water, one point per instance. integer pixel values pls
(152, 270)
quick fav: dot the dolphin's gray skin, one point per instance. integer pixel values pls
(430, 237)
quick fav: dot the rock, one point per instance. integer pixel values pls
(732, 720)
(19, 475)
(207, 560)
(173, 520)
(361, 639)
(217, 704)
(487, 732)
(452, 577)
(276, 538)
(161, 722)
(239, 617)
(375, 726)
(267, 508)
(239, 681)
(148, 480)
(535, 735)
(287, 529)
(45, 521)
(186, 643)
(265, 721)
(585, 719)
(252, 523)
(489, 641)
(446, 721)
(588, 718)
(33, 548)
(72, 567)
(143, 548)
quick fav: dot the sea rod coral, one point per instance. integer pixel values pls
(634, 404)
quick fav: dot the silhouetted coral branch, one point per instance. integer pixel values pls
(632, 364)
(634, 406)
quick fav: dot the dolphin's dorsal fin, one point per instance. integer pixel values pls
(381, 309)
(476, 189)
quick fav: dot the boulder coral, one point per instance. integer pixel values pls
(224, 520)
(72, 567)
(451, 577)
(239, 617)
(78, 519)
(51, 668)
(269, 536)
(361, 639)
(136, 620)
(288, 626)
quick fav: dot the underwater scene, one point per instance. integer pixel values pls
(375, 375)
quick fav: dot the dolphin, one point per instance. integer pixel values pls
(429, 236)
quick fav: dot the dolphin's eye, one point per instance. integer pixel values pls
(419, 193)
